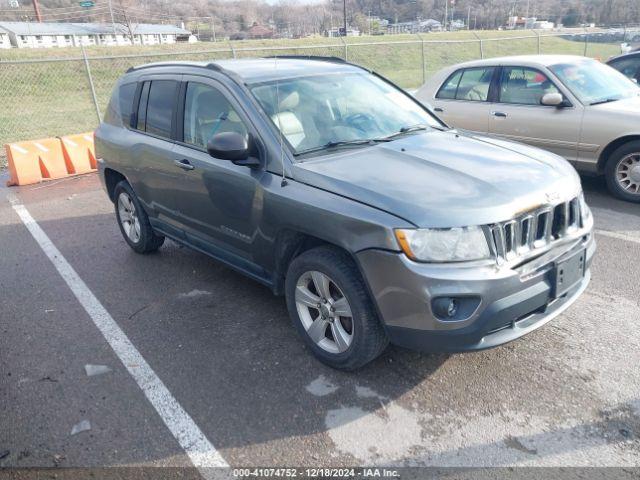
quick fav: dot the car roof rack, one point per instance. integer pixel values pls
(209, 66)
(319, 58)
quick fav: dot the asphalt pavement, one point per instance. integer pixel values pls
(192, 362)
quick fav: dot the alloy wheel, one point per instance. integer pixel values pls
(628, 173)
(324, 312)
(128, 217)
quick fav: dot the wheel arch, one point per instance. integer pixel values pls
(612, 147)
(291, 244)
(111, 179)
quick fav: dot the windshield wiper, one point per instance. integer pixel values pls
(606, 100)
(340, 143)
(409, 129)
(370, 141)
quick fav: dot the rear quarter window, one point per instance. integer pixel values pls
(120, 105)
(448, 89)
(470, 84)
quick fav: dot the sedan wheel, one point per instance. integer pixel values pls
(628, 173)
(129, 217)
(324, 312)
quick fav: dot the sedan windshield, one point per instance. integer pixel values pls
(323, 112)
(593, 83)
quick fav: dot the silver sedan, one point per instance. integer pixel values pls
(574, 106)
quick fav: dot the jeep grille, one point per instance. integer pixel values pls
(535, 229)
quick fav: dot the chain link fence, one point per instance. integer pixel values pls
(58, 96)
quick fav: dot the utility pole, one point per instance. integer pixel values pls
(213, 29)
(469, 18)
(36, 9)
(344, 15)
(113, 23)
(446, 13)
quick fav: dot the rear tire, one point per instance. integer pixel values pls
(133, 220)
(346, 341)
(622, 172)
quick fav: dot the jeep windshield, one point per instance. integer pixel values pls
(325, 112)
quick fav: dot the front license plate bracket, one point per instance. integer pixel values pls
(569, 272)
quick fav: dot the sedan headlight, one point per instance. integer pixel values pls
(444, 244)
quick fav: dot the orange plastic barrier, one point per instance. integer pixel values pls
(34, 161)
(79, 153)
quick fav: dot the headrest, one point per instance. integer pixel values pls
(288, 123)
(290, 127)
(290, 101)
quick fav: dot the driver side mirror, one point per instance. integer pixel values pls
(554, 100)
(234, 147)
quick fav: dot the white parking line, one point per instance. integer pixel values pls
(196, 445)
(619, 236)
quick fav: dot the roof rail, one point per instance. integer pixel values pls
(163, 64)
(209, 66)
(309, 57)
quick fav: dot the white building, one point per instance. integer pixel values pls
(49, 35)
(4, 40)
(337, 32)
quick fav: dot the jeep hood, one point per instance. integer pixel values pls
(444, 179)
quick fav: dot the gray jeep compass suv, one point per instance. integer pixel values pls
(332, 186)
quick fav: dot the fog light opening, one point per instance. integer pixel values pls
(454, 308)
(445, 307)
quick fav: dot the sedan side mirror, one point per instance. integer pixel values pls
(553, 100)
(232, 146)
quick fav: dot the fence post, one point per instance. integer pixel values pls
(90, 79)
(538, 35)
(233, 50)
(586, 41)
(346, 58)
(481, 46)
(424, 60)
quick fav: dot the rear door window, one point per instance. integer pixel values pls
(162, 99)
(142, 107)
(471, 84)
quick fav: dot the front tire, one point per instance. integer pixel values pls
(133, 221)
(331, 309)
(622, 172)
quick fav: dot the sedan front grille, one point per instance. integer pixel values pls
(532, 230)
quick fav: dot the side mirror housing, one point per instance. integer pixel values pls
(232, 146)
(228, 146)
(553, 100)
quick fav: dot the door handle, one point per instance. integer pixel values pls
(184, 164)
(439, 109)
(499, 114)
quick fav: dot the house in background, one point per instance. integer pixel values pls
(528, 23)
(259, 31)
(50, 35)
(339, 32)
(4, 40)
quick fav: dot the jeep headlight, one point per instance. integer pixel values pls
(444, 244)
